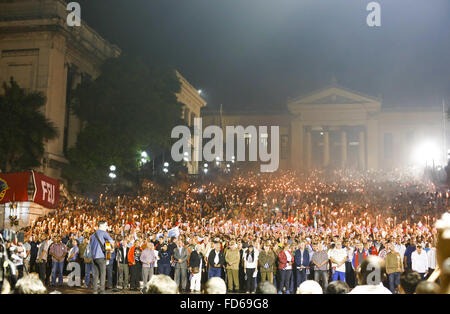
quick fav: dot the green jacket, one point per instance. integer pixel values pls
(232, 257)
(268, 258)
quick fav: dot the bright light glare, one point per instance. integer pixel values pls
(205, 165)
(144, 155)
(112, 168)
(166, 164)
(112, 175)
(165, 170)
(426, 154)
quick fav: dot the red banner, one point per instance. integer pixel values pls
(14, 187)
(46, 191)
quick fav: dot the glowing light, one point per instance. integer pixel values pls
(426, 153)
(144, 155)
(166, 164)
(112, 168)
(112, 175)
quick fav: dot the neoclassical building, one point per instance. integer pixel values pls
(335, 127)
(42, 53)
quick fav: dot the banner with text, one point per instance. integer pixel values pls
(46, 191)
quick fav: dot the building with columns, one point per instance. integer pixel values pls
(337, 128)
(42, 53)
(192, 103)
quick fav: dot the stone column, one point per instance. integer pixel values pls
(372, 143)
(297, 150)
(343, 149)
(362, 151)
(326, 149)
(308, 150)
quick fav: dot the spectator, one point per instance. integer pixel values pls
(215, 285)
(161, 284)
(180, 255)
(250, 268)
(30, 284)
(309, 287)
(196, 267)
(409, 281)
(337, 287)
(419, 261)
(394, 267)
(320, 261)
(232, 259)
(427, 287)
(371, 274)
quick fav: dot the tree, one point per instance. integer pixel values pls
(130, 107)
(23, 128)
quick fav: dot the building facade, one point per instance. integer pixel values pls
(42, 53)
(339, 128)
(192, 103)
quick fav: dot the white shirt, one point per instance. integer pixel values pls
(419, 262)
(253, 264)
(432, 258)
(289, 259)
(339, 255)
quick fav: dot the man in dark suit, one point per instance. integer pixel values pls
(216, 260)
(180, 255)
(122, 260)
(301, 258)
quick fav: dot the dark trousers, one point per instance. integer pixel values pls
(99, 273)
(42, 268)
(82, 268)
(109, 274)
(164, 269)
(48, 271)
(135, 271)
(301, 276)
(350, 275)
(250, 284)
(285, 277)
(33, 266)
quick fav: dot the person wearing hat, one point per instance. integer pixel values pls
(232, 259)
(266, 261)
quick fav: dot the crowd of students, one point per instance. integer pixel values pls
(284, 228)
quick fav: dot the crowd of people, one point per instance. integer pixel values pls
(286, 229)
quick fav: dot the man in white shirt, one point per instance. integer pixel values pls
(419, 260)
(431, 254)
(338, 257)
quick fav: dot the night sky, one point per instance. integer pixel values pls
(257, 53)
